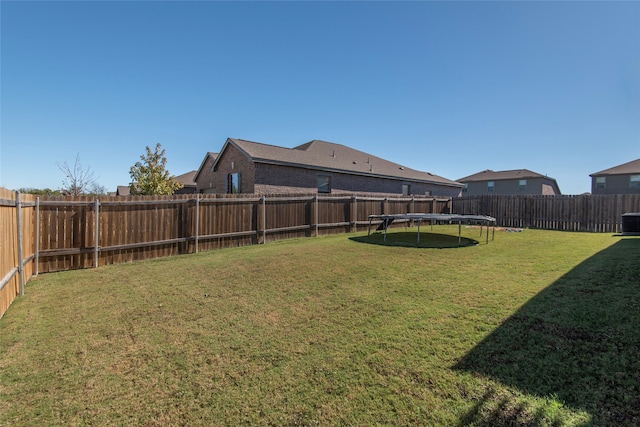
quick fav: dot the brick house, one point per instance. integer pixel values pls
(317, 166)
(188, 184)
(517, 181)
(621, 179)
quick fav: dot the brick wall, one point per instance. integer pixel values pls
(230, 161)
(275, 179)
(206, 177)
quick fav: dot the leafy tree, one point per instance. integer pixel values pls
(151, 177)
(77, 179)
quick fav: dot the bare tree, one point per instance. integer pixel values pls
(78, 180)
(97, 189)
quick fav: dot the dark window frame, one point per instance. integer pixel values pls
(324, 184)
(234, 183)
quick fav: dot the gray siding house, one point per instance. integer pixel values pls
(517, 181)
(621, 179)
(315, 167)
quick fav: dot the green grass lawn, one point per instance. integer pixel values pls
(534, 328)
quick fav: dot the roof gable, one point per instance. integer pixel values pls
(123, 190)
(210, 155)
(328, 156)
(632, 167)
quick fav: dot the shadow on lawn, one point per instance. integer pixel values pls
(577, 341)
(410, 239)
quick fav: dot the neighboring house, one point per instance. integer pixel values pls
(188, 185)
(315, 167)
(123, 190)
(621, 179)
(518, 181)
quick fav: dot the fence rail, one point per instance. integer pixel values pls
(593, 213)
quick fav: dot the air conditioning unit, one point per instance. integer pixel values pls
(631, 224)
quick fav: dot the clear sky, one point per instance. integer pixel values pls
(452, 88)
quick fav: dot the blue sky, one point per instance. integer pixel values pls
(452, 88)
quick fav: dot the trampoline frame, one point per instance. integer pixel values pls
(484, 220)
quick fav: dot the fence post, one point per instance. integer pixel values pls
(315, 202)
(96, 246)
(19, 235)
(37, 242)
(197, 225)
(355, 213)
(264, 219)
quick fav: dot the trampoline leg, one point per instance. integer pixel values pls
(418, 231)
(487, 233)
(459, 232)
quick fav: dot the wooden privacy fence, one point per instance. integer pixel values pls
(60, 233)
(84, 232)
(594, 213)
(17, 244)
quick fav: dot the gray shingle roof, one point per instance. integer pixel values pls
(123, 190)
(489, 175)
(186, 178)
(632, 167)
(328, 156)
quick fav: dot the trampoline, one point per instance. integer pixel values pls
(483, 220)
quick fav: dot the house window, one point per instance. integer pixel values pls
(490, 187)
(324, 184)
(601, 182)
(465, 189)
(522, 185)
(406, 189)
(233, 183)
(634, 181)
